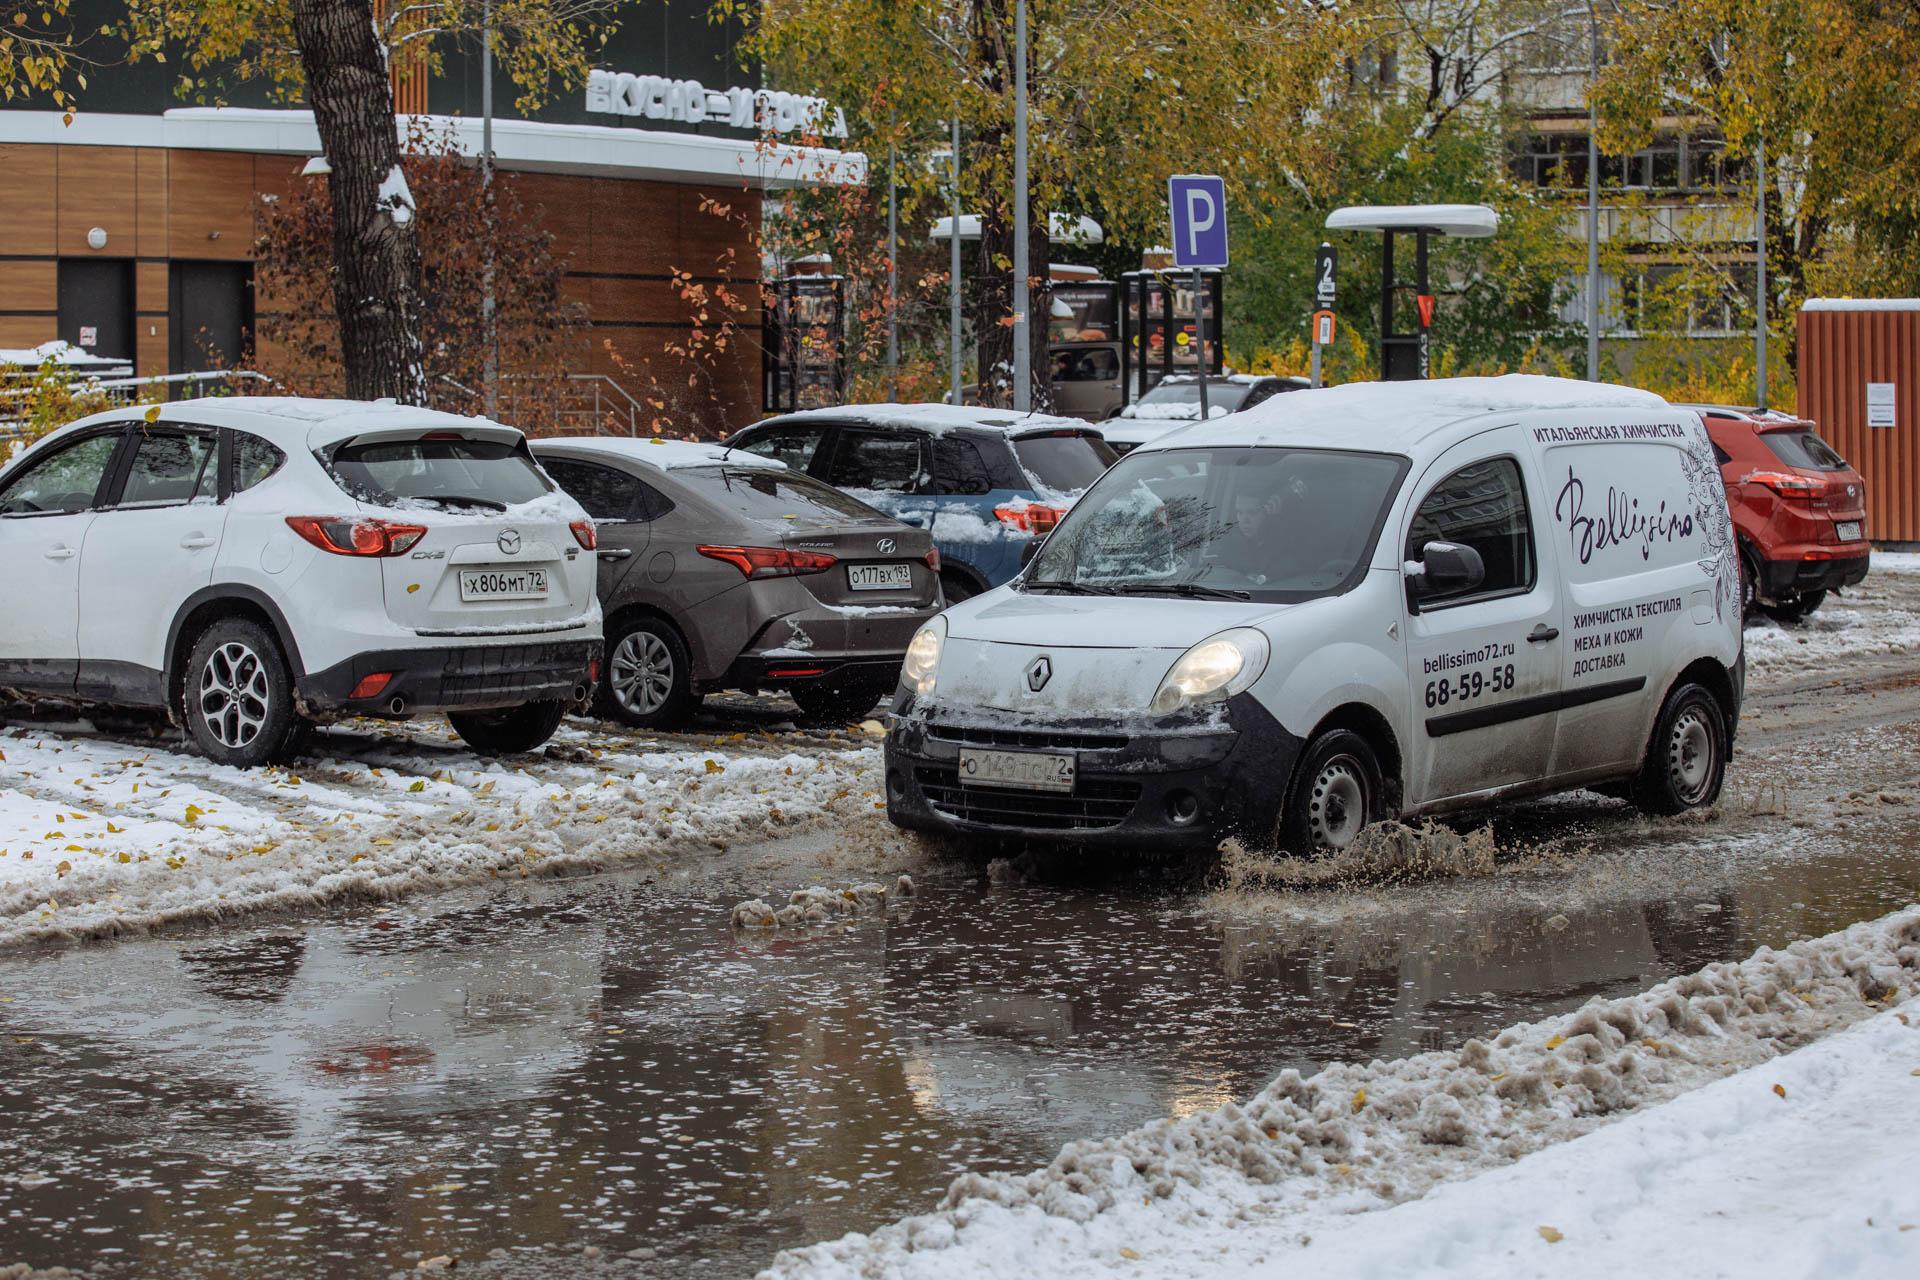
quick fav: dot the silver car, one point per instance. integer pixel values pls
(723, 570)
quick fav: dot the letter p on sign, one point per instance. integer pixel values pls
(1198, 203)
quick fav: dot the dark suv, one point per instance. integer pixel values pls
(985, 482)
(1799, 510)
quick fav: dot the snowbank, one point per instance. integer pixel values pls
(100, 837)
(1308, 1151)
(1878, 617)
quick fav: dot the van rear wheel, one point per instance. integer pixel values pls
(1337, 790)
(1687, 759)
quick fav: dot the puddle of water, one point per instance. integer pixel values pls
(600, 1062)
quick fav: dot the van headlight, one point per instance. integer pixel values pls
(922, 664)
(1218, 667)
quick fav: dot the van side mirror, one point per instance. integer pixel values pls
(1447, 569)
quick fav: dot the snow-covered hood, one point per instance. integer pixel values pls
(1104, 656)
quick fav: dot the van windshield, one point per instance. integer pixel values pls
(1270, 524)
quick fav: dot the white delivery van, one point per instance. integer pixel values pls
(1376, 600)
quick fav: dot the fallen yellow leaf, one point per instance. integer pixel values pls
(1359, 1099)
(1550, 1235)
(421, 785)
(1556, 1042)
(1128, 1253)
(1780, 1090)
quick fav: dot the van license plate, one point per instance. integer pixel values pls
(1847, 531)
(1032, 770)
(503, 584)
(880, 577)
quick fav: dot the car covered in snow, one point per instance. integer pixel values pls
(1799, 509)
(1376, 600)
(1174, 401)
(985, 483)
(721, 569)
(253, 564)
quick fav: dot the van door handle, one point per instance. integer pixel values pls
(196, 541)
(617, 553)
(1542, 633)
(62, 552)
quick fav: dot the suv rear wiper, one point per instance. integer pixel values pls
(1191, 590)
(460, 500)
(1070, 588)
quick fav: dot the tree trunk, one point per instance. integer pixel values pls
(376, 257)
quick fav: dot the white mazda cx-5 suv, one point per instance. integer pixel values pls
(252, 564)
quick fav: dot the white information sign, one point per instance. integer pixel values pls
(1880, 404)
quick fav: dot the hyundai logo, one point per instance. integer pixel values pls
(508, 542)
(886, 546)
(1039, 671)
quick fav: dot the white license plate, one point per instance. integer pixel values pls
(503, 584)
(1033, 770)
(880, 577)
(1847, 531)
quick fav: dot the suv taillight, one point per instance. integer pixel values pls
(1789, 485)
(348, 536)
(770, 562)
(1030, 517)
(584, 534)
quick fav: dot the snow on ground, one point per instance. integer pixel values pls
(99, 836)
(1877, 617)
(1245, 1185)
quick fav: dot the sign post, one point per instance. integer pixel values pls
(1324, 261)
(1198, 205)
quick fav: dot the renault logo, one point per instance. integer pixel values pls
(1039, 671)
(508, 542)
(886, 546)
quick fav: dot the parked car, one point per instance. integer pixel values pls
(1086, 379)
(251, 564)
(984, 482)
(720, 569)
(1799, 510)
(1377, 600)
(1175, 401)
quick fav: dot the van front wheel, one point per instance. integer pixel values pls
(1687, 759)
(1337, 790)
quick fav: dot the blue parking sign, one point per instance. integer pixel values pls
(1198, 202)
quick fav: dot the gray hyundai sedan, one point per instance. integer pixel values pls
(723, 570)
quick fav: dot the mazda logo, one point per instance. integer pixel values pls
(1039, 671)
(508, 542)
(886, 546)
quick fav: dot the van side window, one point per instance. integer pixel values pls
(1483, 506)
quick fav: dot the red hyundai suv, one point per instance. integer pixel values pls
(1799, 510)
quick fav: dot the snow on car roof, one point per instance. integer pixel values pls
(661, 453)
(296, 421)
(1398, 414)
(934, 417)
(1237, 379)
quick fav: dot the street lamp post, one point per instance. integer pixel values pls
(1760, 273)
(1022, 343)
(953, 266)
(1593, 197)
(490, 376)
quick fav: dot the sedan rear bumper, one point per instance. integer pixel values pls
(454, 678)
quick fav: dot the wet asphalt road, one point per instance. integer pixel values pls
(544, 1070)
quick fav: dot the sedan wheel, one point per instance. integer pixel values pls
(640, 672)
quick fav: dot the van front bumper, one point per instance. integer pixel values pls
(454, 678)
(1175, 786)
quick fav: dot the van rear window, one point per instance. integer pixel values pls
(1799, 448)
(449, 470)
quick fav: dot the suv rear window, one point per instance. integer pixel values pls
(769, 496)
(450, 470)
(1802, 448)
(1065, 461)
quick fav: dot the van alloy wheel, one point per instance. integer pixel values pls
(1337, 807)
(1691, 750)
(235, 696)
(641, 672)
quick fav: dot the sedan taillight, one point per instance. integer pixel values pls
(350, 536)
(933, 558)
(585, 534)
(770, 562)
